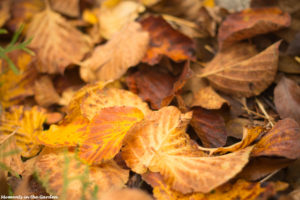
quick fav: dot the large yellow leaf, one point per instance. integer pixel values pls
(65, 134)
(113, 18)
(58, 43)
(241, 189)
(159, 144)
(28, 124)
(59, 170)
(106, 132)
(95, 100)
(111, 60)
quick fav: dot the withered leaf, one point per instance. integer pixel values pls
(28, 124)
(57, 42)
(240, 189)
(166, 41)
(67, 7)
(251, 22)
(94, 101)
(127, 194)
(4, 12)
(209, 126)
(51, 169)
(159, 144)
(282, 140)
(106, 132)
(238, 71)
(111, 60)
(287, 99)
(44, 92)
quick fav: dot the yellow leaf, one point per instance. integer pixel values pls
(66, 134)
(111, 60)
(58, 43)
(28, 124)
(112, 18)
(96, 100)
(159, 144)
(106, 132)
(57, 169)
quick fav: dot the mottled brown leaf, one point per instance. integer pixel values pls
(166, 41)
(251, 22)
(287, 99)
(238, 70)
(210, 127)
(282, 140)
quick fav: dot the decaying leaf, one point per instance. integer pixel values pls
(159, 144)
(287, 99)
(238, 70)
(44, 92)
(4, 12)
(251, 22)
(210, 127)
(28, 124)
(127, 194)
(57, 42)
(67, 7)
(111, 60)
(64, 175)
(106, 132)
(113, 18)
(10, 155)
(282, 140)
(66, 133)
(241, 189)
(94, 101)
(208, 98)
(166, 41)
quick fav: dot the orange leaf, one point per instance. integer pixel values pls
(166, 41)
(159, 144)
(238, 70)
(106, 132)
(28, 124)
(65, 134)
(210, 127)
(127, 194)
(56, 167)
(251, 22)
(241, 190)
(95, 100)
(282, 140)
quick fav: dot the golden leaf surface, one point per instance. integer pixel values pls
(57, 42)
(282, 140)
(58, 169)
(65, 134)
(98, 99)
(111, 60)
(113, 18)
(159, 143)
(241, 189)
(28, 124)
(239, 71)
(106, 132)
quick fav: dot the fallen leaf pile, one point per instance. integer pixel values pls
(150, 99)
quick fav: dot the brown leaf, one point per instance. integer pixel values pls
(251, 22)
(208, 98)
(111, 60)
(287, 99)
(165, 41)
(57, 42)
(4, 12)
(238, 71)
(210, 127)
(127, 194)
(67, 7)
(94, 101)
(282, 140)
(159, 144)
(107, 176)
(44, 92)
